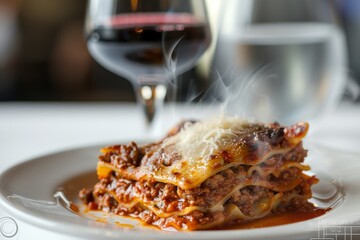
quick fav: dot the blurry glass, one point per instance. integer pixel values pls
(280, 60)
(350, 10)
(149, 43)
(8, 34)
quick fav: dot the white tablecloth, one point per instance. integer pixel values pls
(28, 130)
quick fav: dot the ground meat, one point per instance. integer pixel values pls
(164, 195)
(296, 199)
(297, 154)
(148, 216)
(286, 175)
(86, 195)
(160, 157)
(123, 189)
(248, 197)
(106, 202)
(122, 156)
(214, 188)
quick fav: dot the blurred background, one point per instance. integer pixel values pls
(43, 53)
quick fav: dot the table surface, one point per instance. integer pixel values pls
(28, 130)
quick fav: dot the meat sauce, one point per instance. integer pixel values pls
(276, 219)
(267, 221)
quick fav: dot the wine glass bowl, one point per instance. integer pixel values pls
(148, 42)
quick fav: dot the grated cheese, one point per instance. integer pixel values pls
(199, 140)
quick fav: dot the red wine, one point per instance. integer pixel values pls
(141, 45)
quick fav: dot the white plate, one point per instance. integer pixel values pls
(27, 191)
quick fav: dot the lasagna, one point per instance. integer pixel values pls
(204, 175)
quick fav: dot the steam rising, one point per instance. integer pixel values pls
(171, 63)
(222, 95)
(285, 91)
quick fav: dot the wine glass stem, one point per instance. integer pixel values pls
(151, 99)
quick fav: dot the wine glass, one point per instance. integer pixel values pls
(148, 42)
(281, 60)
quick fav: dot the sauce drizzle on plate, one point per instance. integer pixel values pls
(277, 219)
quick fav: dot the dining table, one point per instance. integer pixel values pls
(32, 129)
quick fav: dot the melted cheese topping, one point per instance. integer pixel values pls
(198, 141)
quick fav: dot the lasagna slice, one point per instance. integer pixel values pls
(205, 174)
